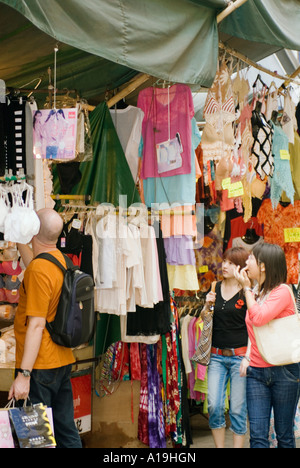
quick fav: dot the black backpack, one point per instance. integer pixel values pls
(75, 319)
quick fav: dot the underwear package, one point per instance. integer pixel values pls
(169, 155)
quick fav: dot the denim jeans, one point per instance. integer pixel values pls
(53, 388)
(221, 370)
(277, 388)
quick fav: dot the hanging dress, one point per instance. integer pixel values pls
(282, 177)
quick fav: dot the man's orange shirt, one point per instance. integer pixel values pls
(39, 296)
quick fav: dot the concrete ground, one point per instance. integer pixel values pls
(202, 436)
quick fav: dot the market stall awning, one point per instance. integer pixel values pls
(173, 39)
(102, 44)
(261, 22)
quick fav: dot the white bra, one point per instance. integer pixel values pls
(22, 222)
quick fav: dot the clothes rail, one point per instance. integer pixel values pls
(249, 62)
(71, 197)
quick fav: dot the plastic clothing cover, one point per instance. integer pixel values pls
(108, 175)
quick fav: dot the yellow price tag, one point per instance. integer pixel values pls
(235, 190)
(284, 154)
(291, 235)
(226, 183)
(203, 269)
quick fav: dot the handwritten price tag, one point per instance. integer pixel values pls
(235, 190)
(226, 183)
(284, 154)
(291, 235)
(203, 269)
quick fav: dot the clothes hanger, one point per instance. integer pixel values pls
(272, 85)
(161, 83)
(258, 78)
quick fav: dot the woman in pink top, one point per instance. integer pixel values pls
(268, 386)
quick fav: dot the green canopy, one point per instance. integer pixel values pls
(176, 40)
(271, 22)
(103, 44)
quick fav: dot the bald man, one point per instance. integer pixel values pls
(43, 368)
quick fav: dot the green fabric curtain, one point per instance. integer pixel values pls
(27, 53)
(176, 40)
(107, 176)
(271, 22)
(216, 4)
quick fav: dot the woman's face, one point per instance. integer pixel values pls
(228, 269)
(253, 269)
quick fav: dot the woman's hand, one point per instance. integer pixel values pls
(242, 277)
(210, 298)
(243, 367)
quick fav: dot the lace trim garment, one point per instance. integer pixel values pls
(219, 112)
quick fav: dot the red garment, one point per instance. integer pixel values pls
(275, 221)
(239, 228)
(76, 259)
(143, 434)
(135, 364)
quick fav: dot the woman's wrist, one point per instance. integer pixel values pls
(247, 288)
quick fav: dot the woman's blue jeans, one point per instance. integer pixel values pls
(53, 388)
(222, 369)
(277, 388)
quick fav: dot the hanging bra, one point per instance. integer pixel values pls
(219, 112)
(22, 222)
(70, 239)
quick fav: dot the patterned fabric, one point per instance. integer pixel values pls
(202, 354)
(275, 221)
(155, 421)
(143, 434)
(262, 150)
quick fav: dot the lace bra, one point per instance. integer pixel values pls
(22, 222)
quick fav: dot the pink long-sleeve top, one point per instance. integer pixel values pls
(278, 304)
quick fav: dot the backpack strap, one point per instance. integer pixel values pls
(51, 258)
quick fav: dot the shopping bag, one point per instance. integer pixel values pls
(169, 155)
(278, 341)
(31, 426)
(6, 436)
(202, 353)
